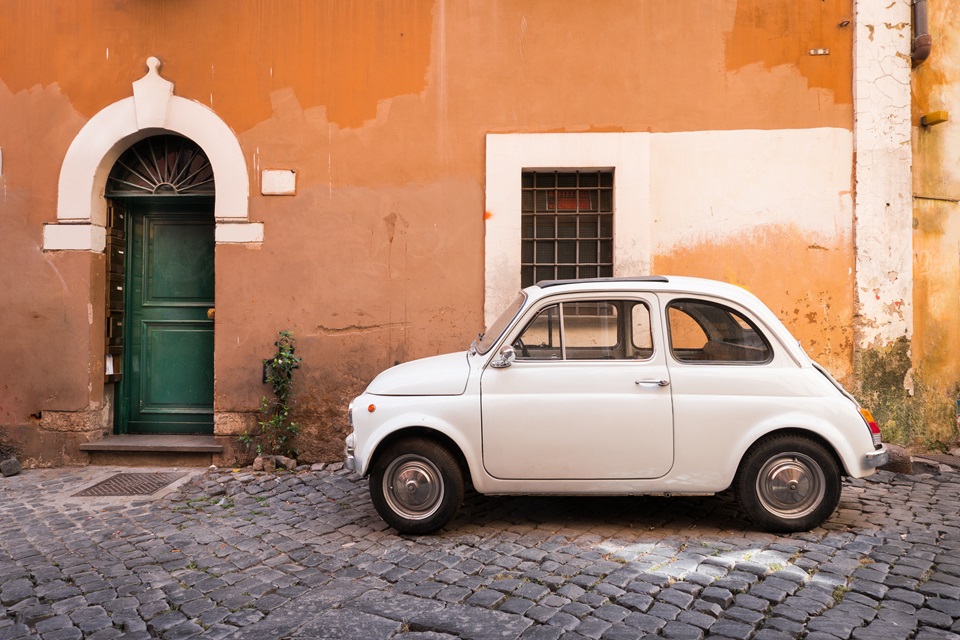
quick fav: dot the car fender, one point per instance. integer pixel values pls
(417, 420)
(800, 423)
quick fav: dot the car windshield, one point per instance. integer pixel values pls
(485, 340)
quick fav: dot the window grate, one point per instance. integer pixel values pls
(566, 225)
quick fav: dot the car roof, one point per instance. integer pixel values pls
(677, 284)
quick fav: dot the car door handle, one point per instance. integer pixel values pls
(659, 383)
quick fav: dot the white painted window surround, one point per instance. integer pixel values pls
(508, 155)
(152, 110)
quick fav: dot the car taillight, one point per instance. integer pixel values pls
(874, 427)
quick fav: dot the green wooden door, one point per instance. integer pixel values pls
(167, 385)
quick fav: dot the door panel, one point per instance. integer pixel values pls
(576, 421)
(178, 257)
(169, 348)
(168, 385)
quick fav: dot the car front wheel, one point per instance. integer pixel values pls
(416, 486)
(788, 483)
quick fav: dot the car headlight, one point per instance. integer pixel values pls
(350, 414)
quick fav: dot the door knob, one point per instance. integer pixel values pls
(211, 313)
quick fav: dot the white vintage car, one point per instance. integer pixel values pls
(616, 386)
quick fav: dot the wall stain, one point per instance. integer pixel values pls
(775, 34)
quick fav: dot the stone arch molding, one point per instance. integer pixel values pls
(152, 110)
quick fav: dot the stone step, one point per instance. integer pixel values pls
(153, 450)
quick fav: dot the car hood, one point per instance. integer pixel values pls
(444, 375)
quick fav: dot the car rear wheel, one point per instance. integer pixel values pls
(788, 483)
(416, 486)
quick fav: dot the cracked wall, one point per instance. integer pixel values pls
(883, 187)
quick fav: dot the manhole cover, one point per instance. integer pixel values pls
(130, 484)
(942, 458)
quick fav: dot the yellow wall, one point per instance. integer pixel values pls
(936, 172)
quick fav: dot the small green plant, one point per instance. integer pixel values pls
(839, 591)
(276, 431)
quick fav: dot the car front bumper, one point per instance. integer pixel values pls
(877, 458)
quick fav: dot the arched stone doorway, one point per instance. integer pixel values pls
(85, 215)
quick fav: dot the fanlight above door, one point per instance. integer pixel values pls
(165, 165)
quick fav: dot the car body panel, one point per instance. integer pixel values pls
(444, 375)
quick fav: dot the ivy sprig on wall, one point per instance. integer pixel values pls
(276, 430)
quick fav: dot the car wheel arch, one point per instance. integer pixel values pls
(798, 433)
(426, 433)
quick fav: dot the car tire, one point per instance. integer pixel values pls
(788, 483)
(416, 485)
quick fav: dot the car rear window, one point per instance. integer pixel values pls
(701, 331)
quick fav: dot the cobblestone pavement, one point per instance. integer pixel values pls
(303, 555)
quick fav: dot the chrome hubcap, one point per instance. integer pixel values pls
(791, 485)
(413, 487)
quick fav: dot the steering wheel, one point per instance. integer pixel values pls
(518, 344)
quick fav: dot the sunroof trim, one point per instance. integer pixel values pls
(543, 284)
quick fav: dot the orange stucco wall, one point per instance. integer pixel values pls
(382, 108)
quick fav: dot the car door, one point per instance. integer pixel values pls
(587, 397)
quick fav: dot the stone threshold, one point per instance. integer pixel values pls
(155, 444)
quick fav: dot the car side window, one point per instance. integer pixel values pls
(593, 330)
(707, 332)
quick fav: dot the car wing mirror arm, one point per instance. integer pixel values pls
(505, 359)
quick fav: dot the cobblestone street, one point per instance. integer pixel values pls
(304, 555)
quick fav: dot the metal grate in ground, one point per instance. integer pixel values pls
(130, 484)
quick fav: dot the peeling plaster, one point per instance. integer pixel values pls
(884, 217)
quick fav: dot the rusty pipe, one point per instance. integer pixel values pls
(922, 40)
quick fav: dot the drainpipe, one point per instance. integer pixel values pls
(922, 40)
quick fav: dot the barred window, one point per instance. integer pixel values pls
(566, 225)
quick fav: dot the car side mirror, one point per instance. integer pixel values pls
(506, 358)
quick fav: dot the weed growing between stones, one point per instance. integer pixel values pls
(276, 430)
(839, 591)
